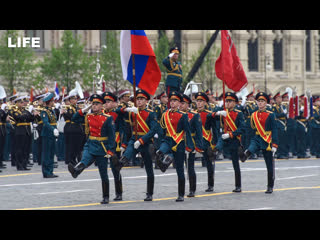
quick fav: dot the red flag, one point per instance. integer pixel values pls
(228, 66)
(31, 95)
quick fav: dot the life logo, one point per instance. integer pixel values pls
(33, 42)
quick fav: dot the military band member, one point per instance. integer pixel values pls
(315, 125)
(22, 118)
(49, 134)
(196, 133)
(11, 129)
(250, 107)
(3, 131)
(120, 135)
(232, 123)
(100, 145)
(159, 110)
(174, 71)
(143, 132)
(266, 138)
(280, 112)
(301, 130)
(72, 131)
(173, 146)
(208, 131)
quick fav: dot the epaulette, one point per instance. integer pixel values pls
(192, 111)
(269, 111)
(237, 110)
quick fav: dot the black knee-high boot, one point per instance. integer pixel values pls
(105, 192)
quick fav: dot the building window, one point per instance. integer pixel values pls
(253, 56)
(103, 37)
(278, 51)
(308, 50)
(36, 33)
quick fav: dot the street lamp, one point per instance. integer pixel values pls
(267, 68)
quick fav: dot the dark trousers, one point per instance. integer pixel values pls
(22, 145)
(2, 143)
(301, 138)
(73, 143)
(47, 155)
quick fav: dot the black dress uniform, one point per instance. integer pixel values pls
(3, 133)
(22, 136)
(73, 136)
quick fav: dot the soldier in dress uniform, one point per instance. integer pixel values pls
(49, 134)
(11, 129)
(173, 145)
(232, 123)
(72, 131)
(3, 131)
(22, 118)
(144, 125)
(159, 110)
(248, 134)
(266, 138)
(301, 130)
(100, 145)
(209, 129)
(280, 112)
(315, 125)
(196, 133)
(120, 135)
(174, 71)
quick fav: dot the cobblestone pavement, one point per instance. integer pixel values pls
(297, 187)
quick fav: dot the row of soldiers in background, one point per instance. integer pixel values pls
(21, 127)
(297, 135)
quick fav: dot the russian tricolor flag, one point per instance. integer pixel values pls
(56, 91)
(147, 71)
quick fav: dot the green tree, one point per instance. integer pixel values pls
(162, 51)
(17, 67)
(67, 64)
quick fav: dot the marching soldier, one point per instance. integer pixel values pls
(266, 138)
(196, 133)
(120, 133)
(22, 118)
(72, 132)
(143, 132)
(173, 145)
(174, 71)
(280, 112)
(49, 134)
(208, 137)
(232, 123)
(100, 145)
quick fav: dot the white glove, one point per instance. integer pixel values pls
(244, 99)
(170, 55)
(137, 144)
(220, 104)
(274, 149)
(302, 108)
(3, 106)
(35, 125)
(132, 109)
(108, 156)
(223, 113)
(225, 136)
(156, 135)
(86, 109)
(56, 132)
(30, 108)
(285, 111)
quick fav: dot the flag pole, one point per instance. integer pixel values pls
(134, 93)
(223, 89)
